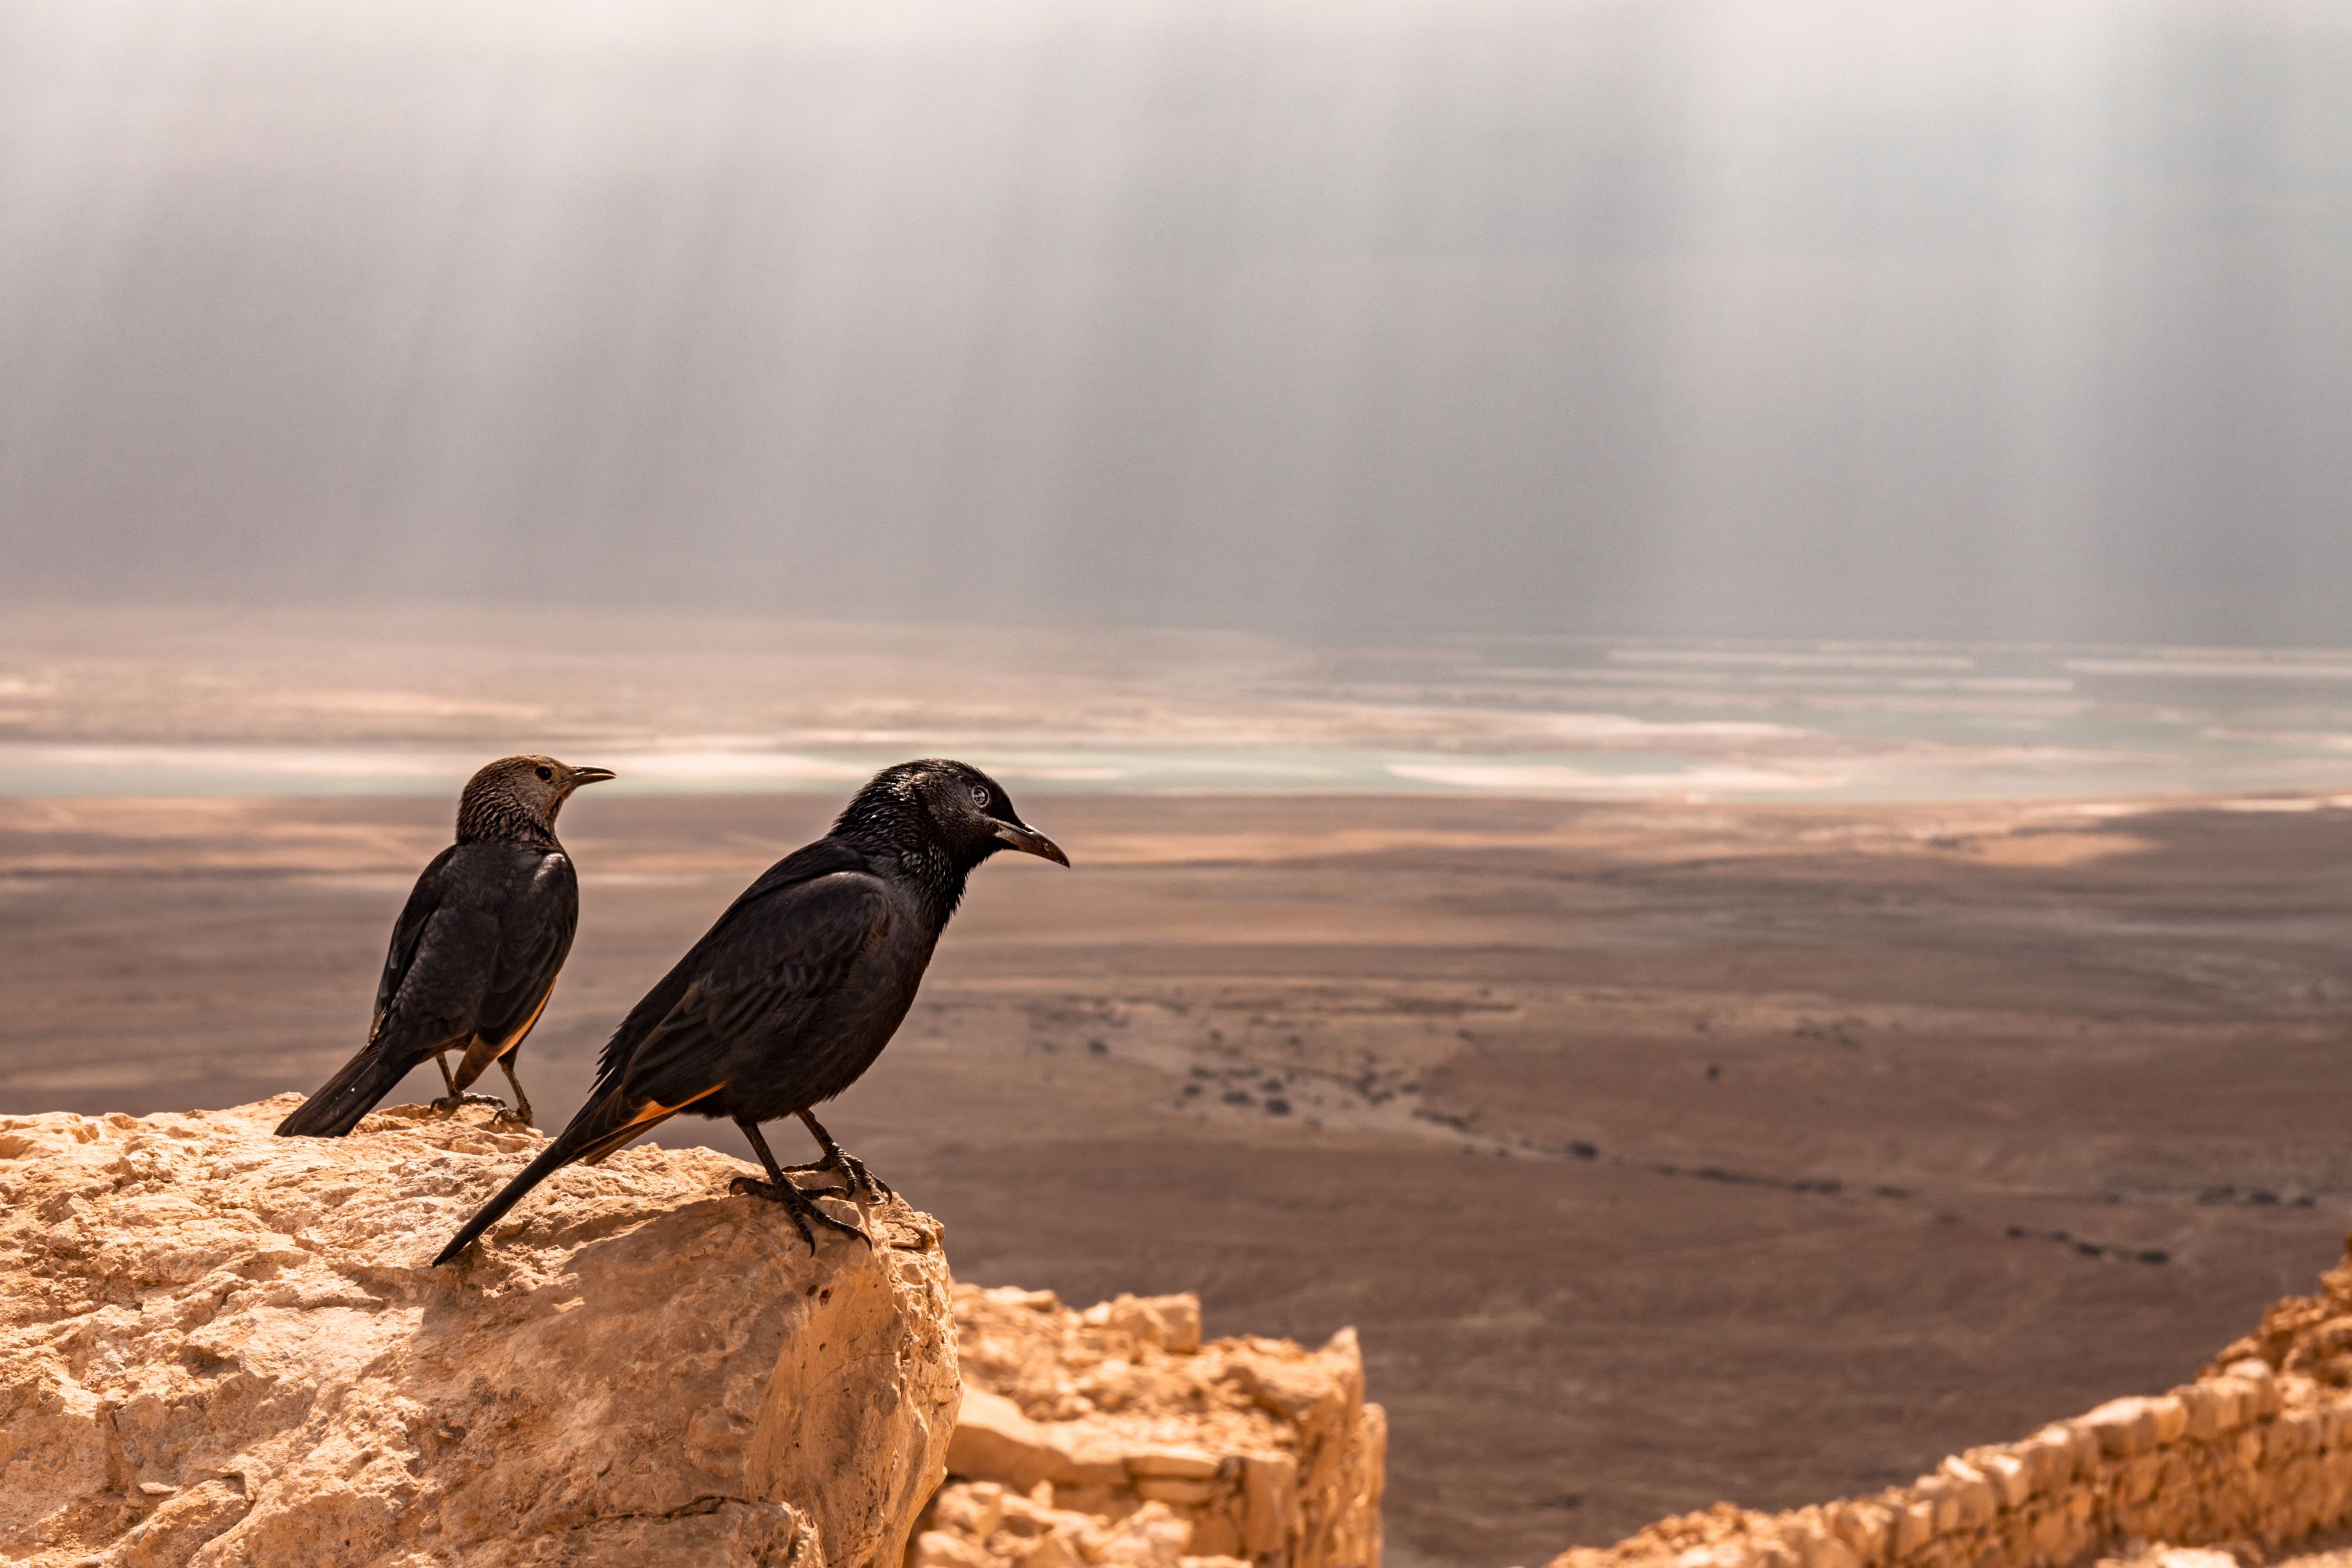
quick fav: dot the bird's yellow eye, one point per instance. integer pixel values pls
(979, 795)
(546, 772)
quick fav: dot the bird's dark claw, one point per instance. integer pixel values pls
(450, 1104)
(799, 1206)
(852, 1171)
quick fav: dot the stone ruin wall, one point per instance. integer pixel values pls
(2256, 1454)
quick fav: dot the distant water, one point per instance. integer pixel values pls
(1605, 717)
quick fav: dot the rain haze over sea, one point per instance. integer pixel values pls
(1345, 320)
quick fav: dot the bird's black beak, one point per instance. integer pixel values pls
(589, 776)
(1029, 841)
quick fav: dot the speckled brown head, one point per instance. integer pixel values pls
(516, 799)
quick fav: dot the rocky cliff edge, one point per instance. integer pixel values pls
(218, 1347)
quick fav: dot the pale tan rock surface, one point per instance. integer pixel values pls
(1115, 1439)
(221, 1348)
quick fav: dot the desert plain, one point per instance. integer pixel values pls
(1661, 1153)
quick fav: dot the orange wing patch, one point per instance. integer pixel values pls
(654, 1111)
(482, 1052)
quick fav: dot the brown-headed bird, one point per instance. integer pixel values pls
(474, 953)
(796, 989)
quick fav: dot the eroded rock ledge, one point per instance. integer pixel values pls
(218, 1347)
(1114, 1438)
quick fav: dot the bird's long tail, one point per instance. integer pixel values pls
(604, 1124)
(351, 1094)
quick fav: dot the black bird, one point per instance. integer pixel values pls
(475, 952)
(796, 989)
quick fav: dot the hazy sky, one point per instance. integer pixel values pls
(1911, 318)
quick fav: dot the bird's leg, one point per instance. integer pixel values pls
(852, 1169)
(777, 1188)
(523, 1101)
(450, 1103)
(447, 1104)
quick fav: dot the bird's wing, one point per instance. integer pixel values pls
(408, 933)
(535, 930)
(445, 965)
(825, 858)
(784, 959)
(442, 947)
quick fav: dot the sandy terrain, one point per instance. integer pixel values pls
(1662, 1154)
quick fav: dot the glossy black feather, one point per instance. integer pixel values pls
(824, 857)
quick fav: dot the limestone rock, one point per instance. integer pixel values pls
(219, 1347)
(1115, 1437)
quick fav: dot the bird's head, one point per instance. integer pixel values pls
(945, 805)
(518, 797)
